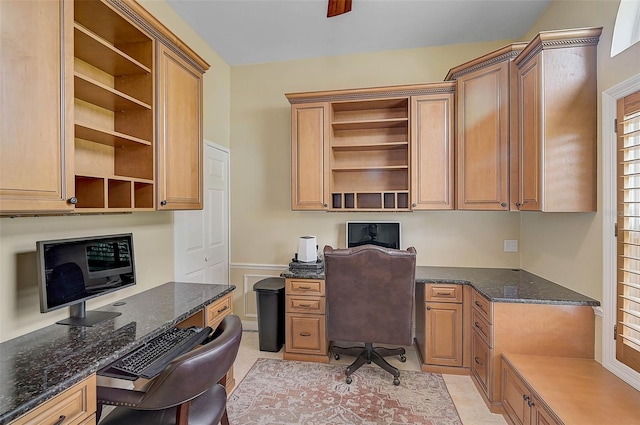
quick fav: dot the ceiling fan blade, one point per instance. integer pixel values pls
(338, 7)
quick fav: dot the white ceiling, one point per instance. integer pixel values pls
(257, 31)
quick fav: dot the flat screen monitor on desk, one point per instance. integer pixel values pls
(71, 271)
(381, 233)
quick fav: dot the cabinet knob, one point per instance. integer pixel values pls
(163, 202)
(518, 204)
(428, 308)
(503, 204)
(325, 205)
(73, 200)
(531, 403)
(414, 205)
(525, 397)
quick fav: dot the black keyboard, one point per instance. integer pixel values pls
(151, 359)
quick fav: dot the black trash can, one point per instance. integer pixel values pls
(270, 302)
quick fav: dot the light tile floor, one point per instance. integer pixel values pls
(465, 396)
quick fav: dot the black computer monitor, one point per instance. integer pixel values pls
(71, 271)
(381, 233)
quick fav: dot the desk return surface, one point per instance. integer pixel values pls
(497, 285)
(39, 365)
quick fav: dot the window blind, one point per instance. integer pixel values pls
(628, 247)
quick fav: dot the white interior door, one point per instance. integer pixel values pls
(201, 237)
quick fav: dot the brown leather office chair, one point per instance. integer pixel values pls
(370, 296)
(186, 392)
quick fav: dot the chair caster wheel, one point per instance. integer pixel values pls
(396, 381)
(336, 356)
(349, 380)
(403, 358)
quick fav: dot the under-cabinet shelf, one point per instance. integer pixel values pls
(92, 49)
(107, 137)
(117, 194)
(104, 96)
(370, 201)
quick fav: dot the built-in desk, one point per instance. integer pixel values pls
(466, 317)
(39, 365)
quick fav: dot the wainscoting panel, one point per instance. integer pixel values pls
(244, 276)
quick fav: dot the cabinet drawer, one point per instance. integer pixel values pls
(444, 293)
(480, 367)
(74, 406)
(304, 287)
(306, 334)
(483, 328)
(299, 304)
(218, 310)
(482, 306)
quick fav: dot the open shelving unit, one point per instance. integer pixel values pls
(369, 155)
(113, 111)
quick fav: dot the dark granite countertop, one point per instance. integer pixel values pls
(498, 285)
(37, 366)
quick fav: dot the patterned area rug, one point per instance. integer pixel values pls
(289, 392)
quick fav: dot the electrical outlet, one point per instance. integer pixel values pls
(510, 245)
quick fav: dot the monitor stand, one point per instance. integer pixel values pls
(81, 317)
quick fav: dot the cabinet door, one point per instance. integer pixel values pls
(309, 142)
(36, 128)
(541, 416)
(514, 397)
(529, 80)
(432, 152)
(180, 142)
(482, 139)
(480, 363)
(444, 334)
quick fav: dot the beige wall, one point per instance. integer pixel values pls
(565, 248)
(245, 109)
(153, 232)
(265, 231)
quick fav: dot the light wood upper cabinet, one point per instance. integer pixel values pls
(432, 149)
(352, 150)
(483, 130)
(309, 140)
(86, 92)
(180, 140)
(557, 122)
(36, 128)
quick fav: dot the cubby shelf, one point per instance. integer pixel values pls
(369, 156)
(370, 201)
(104, 96)
(108, 137)
(371, 168)
(92, 49)
(366, 124)
(114, 125)
(370, 146)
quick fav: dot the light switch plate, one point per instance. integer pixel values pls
(510, 245)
